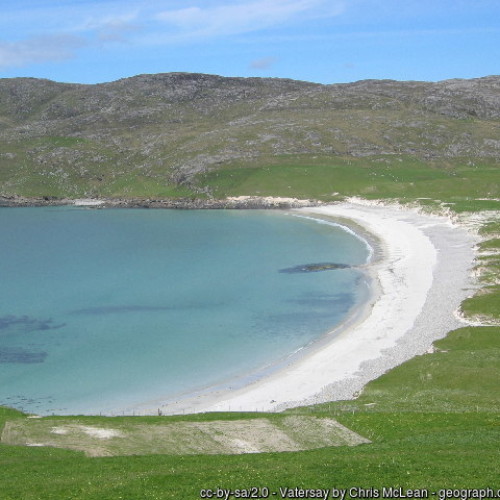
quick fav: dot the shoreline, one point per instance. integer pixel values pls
(236, 202)
(418, 282)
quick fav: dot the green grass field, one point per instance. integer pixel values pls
(460, 183)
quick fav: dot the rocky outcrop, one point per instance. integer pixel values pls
(242, 202)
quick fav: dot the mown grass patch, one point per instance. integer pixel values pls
(235, 436)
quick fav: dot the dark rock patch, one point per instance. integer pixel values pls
(26, 324)
(120, 309)
(19, 355)
(314, 268)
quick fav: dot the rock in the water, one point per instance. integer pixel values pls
(314, 268)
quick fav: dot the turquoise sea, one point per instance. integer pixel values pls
(101, 310)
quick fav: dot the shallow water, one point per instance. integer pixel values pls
(101, 310)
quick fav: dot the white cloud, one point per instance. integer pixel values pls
(54, 30)
(55, 34)
(117, 31)
(39, 50)
(230, 19)
(264, 63)
(98, 22)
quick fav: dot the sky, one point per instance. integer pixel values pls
(324, 41)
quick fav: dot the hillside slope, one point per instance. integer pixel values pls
(184, 134)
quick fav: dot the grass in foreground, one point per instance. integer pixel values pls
(433, 423)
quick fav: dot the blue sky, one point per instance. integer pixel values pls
(326, 41)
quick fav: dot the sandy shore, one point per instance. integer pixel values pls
(420, 277)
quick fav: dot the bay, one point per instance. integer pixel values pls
(103, 310)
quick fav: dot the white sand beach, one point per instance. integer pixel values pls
(420, 277)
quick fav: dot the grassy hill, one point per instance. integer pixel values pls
(178, 135)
